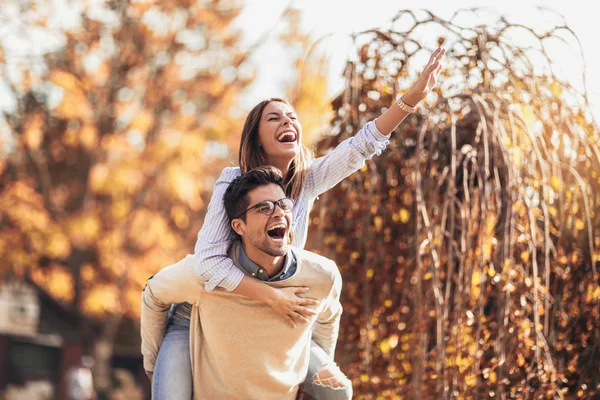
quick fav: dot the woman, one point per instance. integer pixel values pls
(272, 136)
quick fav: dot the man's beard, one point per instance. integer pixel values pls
(263, 244)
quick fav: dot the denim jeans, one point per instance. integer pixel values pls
(318, 358)
(172, 378)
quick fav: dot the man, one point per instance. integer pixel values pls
(240, 348)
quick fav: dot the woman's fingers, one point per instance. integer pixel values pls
(298, 318)
(307, 301)
(439, 53)
(436, 55)
(433, 57)
(432, 67)
(305, 311)
(301, 289)
(290, 321)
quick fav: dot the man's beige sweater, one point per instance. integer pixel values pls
(240, 348)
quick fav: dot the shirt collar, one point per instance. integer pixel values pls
(258, 272)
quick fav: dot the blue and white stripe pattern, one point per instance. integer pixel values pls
(211, 261)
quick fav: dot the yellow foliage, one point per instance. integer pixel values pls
(34, 131)
(148, 229)
(404, 215)
(121, 123)
(378, 221)
(88, 273)
(555, 182)
(592, 293)
(60, 283)
(384, 346)
(180, 217)
(182, 184)
(88, 136)
(125, 179)
(121, 208)
(98, 176)
(487, 248)
(101, 299)
(393, 340)
(471, 380)
(59, 245)
(74, 104)
(476, 277)
(142, 121)
(57, 280)
(84, 228)
(528, 115)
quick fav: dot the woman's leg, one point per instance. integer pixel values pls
(324, 380)
(172, 378)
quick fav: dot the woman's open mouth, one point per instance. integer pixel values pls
(287, 137)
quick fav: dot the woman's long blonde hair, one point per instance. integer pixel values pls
(252, 155)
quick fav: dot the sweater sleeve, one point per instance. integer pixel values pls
(327, 326)
(176, 283)
(212, 263)
(348, 157)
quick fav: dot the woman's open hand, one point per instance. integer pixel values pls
(292, 307)
(427, 79)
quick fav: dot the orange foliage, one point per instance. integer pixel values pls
(109, 180)
(469, 248)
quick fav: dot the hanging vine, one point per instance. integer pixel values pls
(470, 247)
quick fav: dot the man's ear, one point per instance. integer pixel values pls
(238, 226)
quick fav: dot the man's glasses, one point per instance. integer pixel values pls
(267, 207)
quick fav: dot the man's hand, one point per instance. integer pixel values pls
(292, 307)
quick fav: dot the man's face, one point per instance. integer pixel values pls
(267, 233)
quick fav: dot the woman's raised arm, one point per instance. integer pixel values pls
(350, 155)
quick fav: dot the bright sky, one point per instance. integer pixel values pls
(339, 18)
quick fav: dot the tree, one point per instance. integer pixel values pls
(469, 249)
(106, 168)
(308, 92)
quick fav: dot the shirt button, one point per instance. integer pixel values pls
(260, 271)
(253, 274)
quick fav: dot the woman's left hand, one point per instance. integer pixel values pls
(427, 79)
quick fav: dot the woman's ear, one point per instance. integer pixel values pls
(238, 226)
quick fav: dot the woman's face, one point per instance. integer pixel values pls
(279, 132)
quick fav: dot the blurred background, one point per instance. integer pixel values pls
(469, 249)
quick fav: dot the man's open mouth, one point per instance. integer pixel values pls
(277, 231)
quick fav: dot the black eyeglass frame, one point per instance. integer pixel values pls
(275, 203)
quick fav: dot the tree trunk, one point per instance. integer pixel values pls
(103, 350)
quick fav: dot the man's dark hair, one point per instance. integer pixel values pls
(236, 196)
